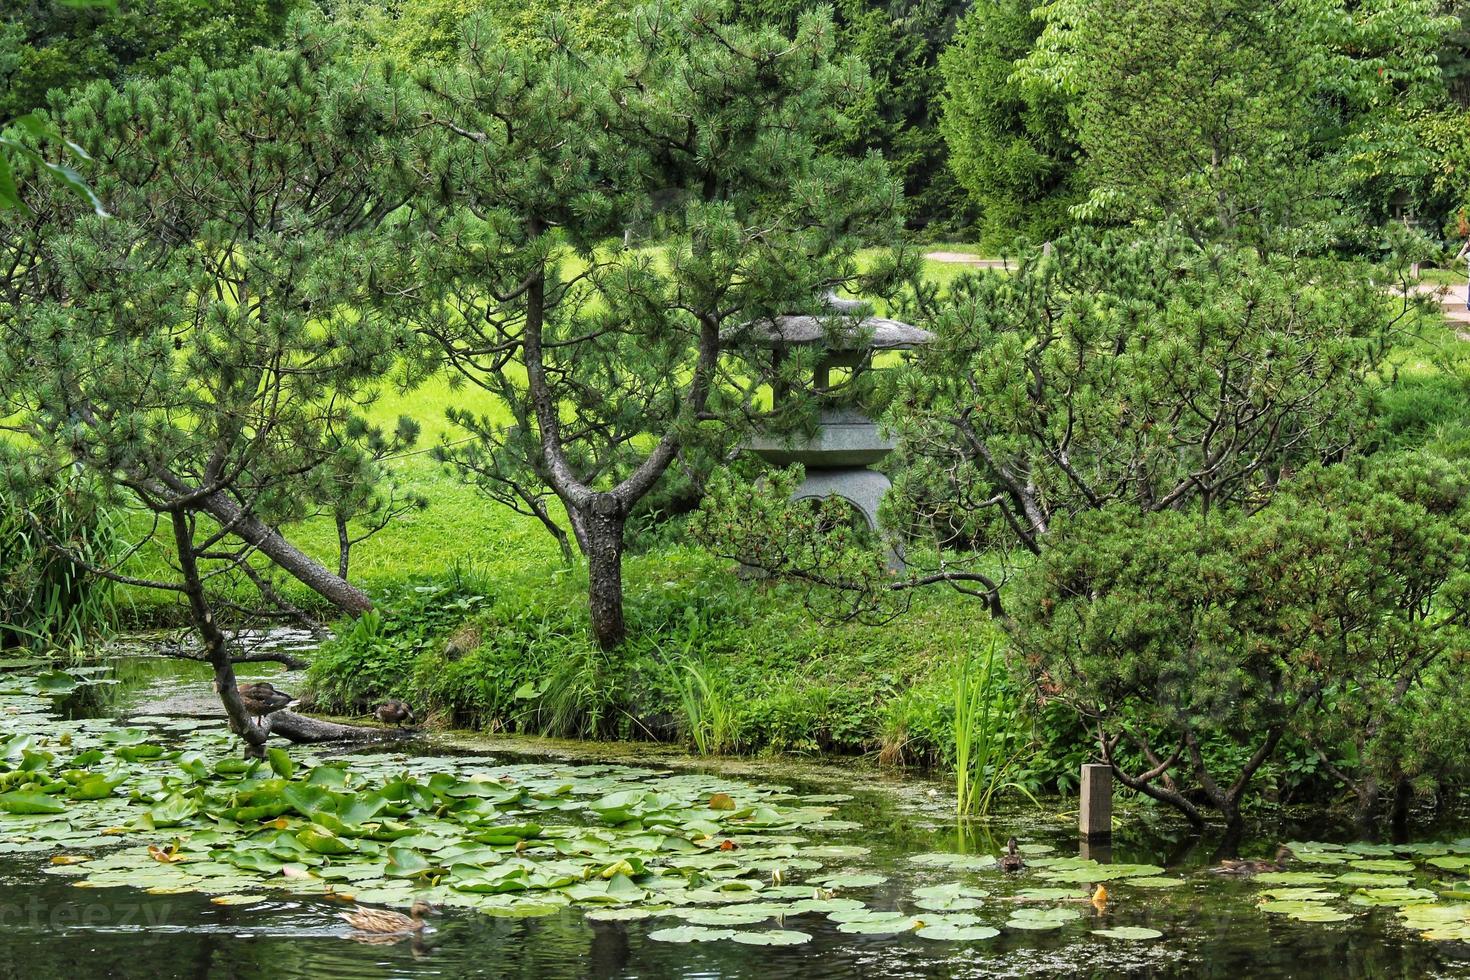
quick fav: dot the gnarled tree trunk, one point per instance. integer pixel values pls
(604, 520)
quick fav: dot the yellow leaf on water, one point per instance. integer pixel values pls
(721, 801)
(69, 859)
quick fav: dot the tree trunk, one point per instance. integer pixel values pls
(300, 728)
(216, 649)
(603, 522)
(291, 559)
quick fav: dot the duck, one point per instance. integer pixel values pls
(261, 698)
(1099, 898)
(1011, 860)
(1254, 866)
(393, 711)
(386, 921)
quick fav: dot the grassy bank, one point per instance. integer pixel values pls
(724, 664)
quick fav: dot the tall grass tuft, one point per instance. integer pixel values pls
(48, 603)
(985, 726)
(709, 718)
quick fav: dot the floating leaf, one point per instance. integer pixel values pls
(236, 899)
(690, 934)
(281, 762)
(1154, 882)
(772, 937)
(1129, 932)
(1382, 865)
(957, 933)
(1292, 878)
(852, 880)
(1391, 896)
(1039, 919)
(30, 803)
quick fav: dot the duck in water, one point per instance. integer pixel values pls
(386, 921)
(1011, 860)
(1254, 866)
(394, 712)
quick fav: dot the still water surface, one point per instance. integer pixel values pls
(48, 929)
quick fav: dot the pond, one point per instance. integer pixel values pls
(144, 848)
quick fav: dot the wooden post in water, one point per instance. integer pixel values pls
(1095, 819)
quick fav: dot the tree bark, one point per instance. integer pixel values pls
(604, 525)
(301, 729)
(291, 559)
(216, 648)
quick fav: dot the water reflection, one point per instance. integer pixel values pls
(51, 929)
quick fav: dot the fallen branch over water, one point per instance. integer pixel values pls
(303, 729)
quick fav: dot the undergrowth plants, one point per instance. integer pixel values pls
(986, 722)
(47, 602)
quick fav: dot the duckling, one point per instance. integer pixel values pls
(394, 712)
(1100, 898)
(384, 921)
(1011, 860)
(262, 698)
(1254, 866)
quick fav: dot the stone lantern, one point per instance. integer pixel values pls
(837, 456)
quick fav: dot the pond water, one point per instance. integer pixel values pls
(855, 830)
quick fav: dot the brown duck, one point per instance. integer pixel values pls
(394, 712)
(1254, 866)
(384, 921)
(262, 698)
(1011, 860)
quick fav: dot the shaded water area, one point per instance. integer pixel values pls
(1211, 926)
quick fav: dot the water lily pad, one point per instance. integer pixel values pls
(962, 862)
(948, 933)
(1382, 865)
(1367, 879)
(852, 880)
(619, 915)
(1041, 919)
(1154, 882)
(772, 937)
(1298, 895)
(1449, 863)
(236, 899)
(738, 915)
(1322, 915)
(1129, 932)
(690, 934)
(1051, 894)
(1392, 896)
(1292, 878)
(1091, 872)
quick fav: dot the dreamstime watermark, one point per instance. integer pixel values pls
(36, 914)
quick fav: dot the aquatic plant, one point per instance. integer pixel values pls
(708, 714)
(47, 602)
(984, 726)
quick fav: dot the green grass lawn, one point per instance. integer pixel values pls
(459, 527)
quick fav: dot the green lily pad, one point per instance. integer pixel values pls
(949, 933)
(1291, 878)
(690, 934)
(1382, 865)
(1367, 879)
(619, 915)
(852, 880)
(1129, 932)
(960, 862)
(772, 937)
(1392, 896)
(1154, 882)
(1039, 919)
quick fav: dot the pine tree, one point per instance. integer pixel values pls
(608, 353)
(203, 353)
